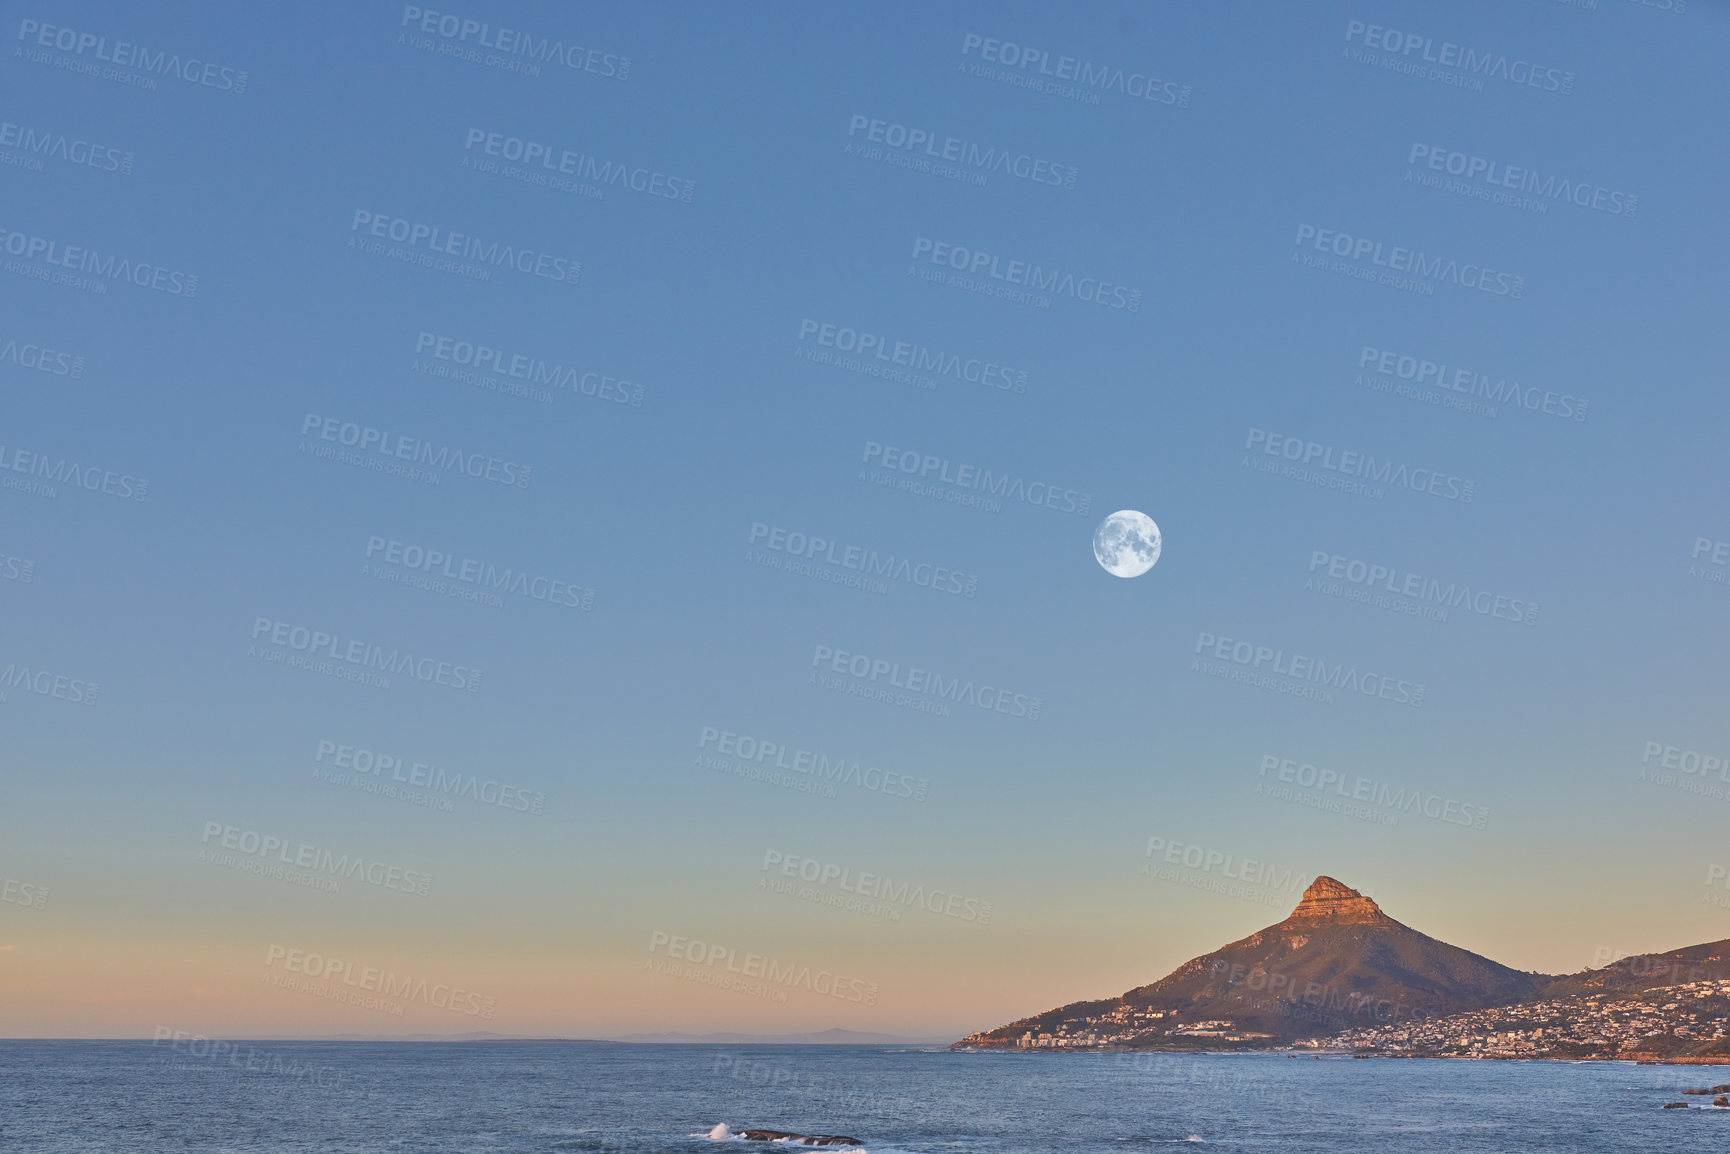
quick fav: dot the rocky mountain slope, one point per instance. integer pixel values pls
(1337, 962)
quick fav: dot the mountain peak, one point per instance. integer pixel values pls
(1335, 903)
(1337, 962)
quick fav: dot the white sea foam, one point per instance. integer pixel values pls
(723, 1133)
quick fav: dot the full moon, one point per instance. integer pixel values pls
(1126, 543)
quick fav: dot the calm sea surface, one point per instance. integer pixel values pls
(339, 1097)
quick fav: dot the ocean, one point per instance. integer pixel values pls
(596, 1098)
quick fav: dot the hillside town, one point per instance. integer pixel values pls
(1122, 1025)
(1665, 1022)
(1668, 1022)
(1125, 1028)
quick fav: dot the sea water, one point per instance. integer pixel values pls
(598, 1098)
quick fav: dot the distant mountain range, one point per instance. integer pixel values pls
(1336, 964)
(472, 1036)
(831, 1037)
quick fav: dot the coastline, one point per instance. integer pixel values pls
(1307, 1052)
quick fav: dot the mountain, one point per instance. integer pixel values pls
(1336, 962)
(1702, 963)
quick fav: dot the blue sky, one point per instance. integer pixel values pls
(1280, 136)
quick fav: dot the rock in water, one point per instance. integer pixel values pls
(802, 1139)
(1675, 1105)
(1721, 1100)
